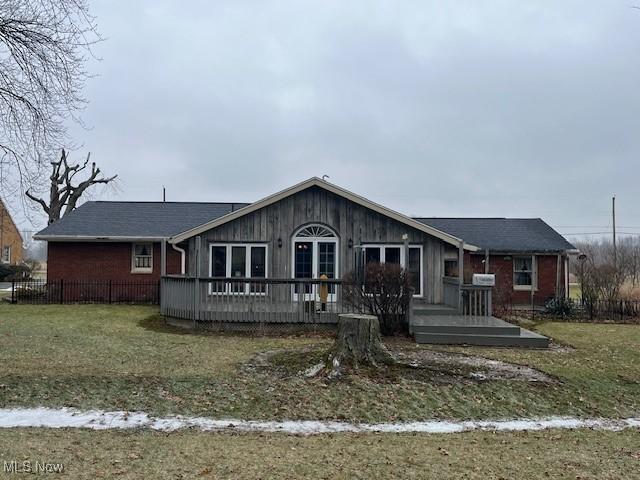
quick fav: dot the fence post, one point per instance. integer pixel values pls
(109, 292)
(61, 292)
(13, 291)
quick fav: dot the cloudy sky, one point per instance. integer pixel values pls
(466, 108)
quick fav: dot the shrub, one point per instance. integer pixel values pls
(386, 293)
(14, 272)
(562, 307)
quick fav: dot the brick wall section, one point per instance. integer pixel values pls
(102, 261)
(502, 267)
(10, 236)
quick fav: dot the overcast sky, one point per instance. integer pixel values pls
(496, 108)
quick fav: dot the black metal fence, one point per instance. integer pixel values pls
(614, 310)
(65, 291)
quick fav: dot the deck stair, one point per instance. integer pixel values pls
(441, 324)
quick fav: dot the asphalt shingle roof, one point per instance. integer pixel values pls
(503, 234)
(166, 219)
(136, 219)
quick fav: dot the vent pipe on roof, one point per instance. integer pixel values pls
(164, 194)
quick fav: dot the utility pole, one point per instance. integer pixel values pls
(613, 215)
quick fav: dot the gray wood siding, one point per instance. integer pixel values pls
(315, 205)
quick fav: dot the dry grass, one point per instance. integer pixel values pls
(580, 454)
(122, 357)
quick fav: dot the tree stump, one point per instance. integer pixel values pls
(357, 344)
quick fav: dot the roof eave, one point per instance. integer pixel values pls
(101, 238)
(539, 251)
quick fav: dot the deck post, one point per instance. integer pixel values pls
(196, 315)
(566, 276)
(460, 272)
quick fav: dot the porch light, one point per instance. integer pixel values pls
(279, 243)
(350, 243)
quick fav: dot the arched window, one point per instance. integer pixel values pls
(319, 231)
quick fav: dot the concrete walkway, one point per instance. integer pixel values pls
(101, 420)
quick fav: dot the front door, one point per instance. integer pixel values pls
(314, 256)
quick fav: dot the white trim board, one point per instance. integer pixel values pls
(317, 182)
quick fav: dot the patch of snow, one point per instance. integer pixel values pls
(102, 420)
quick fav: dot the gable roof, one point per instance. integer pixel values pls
(504, 234)
(318, 182)
(133, 220)
(5, 215)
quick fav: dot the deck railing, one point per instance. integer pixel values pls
(471, 300)
(259, 300)
(476, 301)
(451, 292)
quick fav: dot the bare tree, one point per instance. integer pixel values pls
(64, 193)
(43, 48)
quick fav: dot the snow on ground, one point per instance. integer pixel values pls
(101, 420)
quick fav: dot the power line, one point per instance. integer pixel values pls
(569, 234)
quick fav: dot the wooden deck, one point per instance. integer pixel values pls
(440, 324)
(241, 301)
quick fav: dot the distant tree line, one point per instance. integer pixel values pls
(607, 273)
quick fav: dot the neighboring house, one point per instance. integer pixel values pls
(11, 249)
(310, 229)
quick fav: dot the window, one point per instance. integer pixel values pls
(523, 272)
(392, 255)
(396, 254)
(414, 268)
(142, 261)
(451, 268)
(239, 261)
(6, 254)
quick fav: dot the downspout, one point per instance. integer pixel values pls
(182, 257)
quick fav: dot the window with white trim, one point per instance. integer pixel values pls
(396, 254)
(524, 272)
(6, 254)
(142, 258)
(240, 261)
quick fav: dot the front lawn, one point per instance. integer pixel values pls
(88, 454)
(124, 358)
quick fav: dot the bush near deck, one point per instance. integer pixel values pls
(123, 357)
